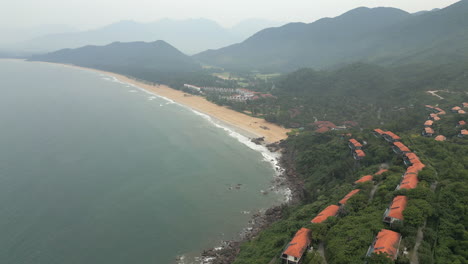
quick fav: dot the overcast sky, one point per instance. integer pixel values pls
(86, 14)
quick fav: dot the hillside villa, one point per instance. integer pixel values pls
(296, 248)
(386, 241)
(395, 211)
(331, 210)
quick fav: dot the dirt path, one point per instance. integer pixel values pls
(434, 93)
(321, 251)
(374, 189)
(414, 259)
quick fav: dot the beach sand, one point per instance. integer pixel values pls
(242, 123)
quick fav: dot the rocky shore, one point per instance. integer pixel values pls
(227, 252)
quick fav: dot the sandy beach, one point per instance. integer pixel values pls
(251, 126)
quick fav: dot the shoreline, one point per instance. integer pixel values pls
(244, 128)
(248, 126)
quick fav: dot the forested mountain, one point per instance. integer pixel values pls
(125, 58)
(190, 35)
(380, 35)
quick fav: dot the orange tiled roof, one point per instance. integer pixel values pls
(456, 108)
(379, 131)
(409, 181)
(411, 156)
(418, 165)
(441, 112)
(299, 243)
(387, 242)
(429, 130)
(331, 210)
(401, 147)
(465, 105)
(464, 132)
(440, 138)
(392, 135)
(349, 195)
(462, 123)
(355, 142)
(381, 171)
(365, 179)
(428, 123)
(412, 170)
(429, 106)
(398, 206)
(360, 153)
(461, 112)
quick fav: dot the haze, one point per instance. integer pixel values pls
(88, 14)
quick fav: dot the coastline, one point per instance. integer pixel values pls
(246, 125)
(243, 128)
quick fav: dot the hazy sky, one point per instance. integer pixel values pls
(86, 14)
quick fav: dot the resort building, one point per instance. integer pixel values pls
(461, 112)
(331, 210)
(434, 117)
(364, 179)
(461, 123)
(348, 196)
(400, 148)
(465, 105)
(381, 171)
(386, 241)
(456, 109)
(440, 138)
(391, 137)
(354, 144)
(295, 249)
(463, 133)
(378, 132)
(358, 154)
(428, 132)
(430, 108)
(409, 181)
(440, 111)
(428, 123)
(395, 211)
(193, 87)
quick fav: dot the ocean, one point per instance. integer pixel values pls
(97, 171)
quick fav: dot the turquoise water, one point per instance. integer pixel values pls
(96, 171)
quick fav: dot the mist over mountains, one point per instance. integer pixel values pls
(385, 36)
(190, 36)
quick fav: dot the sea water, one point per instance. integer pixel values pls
(97, 171)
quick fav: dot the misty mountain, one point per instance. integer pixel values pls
(158, 56)
(190, 36)
(377, 35)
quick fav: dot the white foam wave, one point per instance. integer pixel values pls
(268, 156)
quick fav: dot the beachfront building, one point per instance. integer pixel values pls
(345, 199)
(400, 148)
(378, 132)
(387, 242)
(428, 132)
(358, 154)
(296, 248)
(218, 90)
(391, 137)
(193, 87)
(365, 178)
(354, 144)
(330, 211)
(395, 211)
(409, 181)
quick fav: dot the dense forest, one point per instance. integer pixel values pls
(437, 208)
